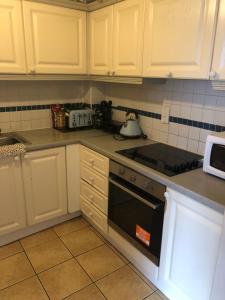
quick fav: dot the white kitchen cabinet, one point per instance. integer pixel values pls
(73, 177)
(55, 39)
(116, 39)
(191, 241)
(12, 205)
(218, 64)
(128, 24)
(178, 38)
(100, 41)
(44, 174)
(12, 50)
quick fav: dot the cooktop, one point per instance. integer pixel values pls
(164, 158)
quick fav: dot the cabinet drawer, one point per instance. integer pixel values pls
(95, 160)
(94, 215)
(100, 201)
(96, 180)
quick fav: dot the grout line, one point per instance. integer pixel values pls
(78, 262)
(36, 275)
(62, 262)
(100, 291)
(87, 226)
(110, 273)
(83, 288)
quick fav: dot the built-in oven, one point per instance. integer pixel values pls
(136, 209)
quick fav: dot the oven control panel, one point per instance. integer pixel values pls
(144, 183)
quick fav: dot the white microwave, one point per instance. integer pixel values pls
(214, 158)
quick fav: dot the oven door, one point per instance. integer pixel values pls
(137, 216)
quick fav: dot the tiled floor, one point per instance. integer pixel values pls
(70, 261)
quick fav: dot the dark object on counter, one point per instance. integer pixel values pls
(58, 117)
(164, 158)
(103, 115)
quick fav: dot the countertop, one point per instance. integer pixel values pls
(196, 184)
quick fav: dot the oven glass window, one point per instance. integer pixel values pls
(217, 159)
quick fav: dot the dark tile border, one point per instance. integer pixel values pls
(177, 120)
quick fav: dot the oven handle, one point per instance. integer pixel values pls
(153, 206)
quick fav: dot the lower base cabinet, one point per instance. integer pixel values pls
(191, 241)
(96, 217)
(44, 174)
(12, 205)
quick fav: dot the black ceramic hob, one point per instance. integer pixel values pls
(164, 158)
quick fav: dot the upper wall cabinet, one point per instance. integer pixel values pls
(116, 39)
(218, 64)
(55, 39)
(100, 41)
(179, 38)
(12, 53)
(128, 37)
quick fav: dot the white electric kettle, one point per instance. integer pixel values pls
(131, 127)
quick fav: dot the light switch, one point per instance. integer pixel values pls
(165, 113)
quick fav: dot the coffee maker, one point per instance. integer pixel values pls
(103, 117)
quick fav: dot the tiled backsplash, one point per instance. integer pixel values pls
(195, 109)
(25, 105)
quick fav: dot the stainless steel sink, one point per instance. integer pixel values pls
(11, 139)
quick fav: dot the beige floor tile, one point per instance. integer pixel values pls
(81, 241)
(14, 269)
(70, 226)
(64, 279)
(100, 262)
(153, 287)
(47, 255)
(124, 284)
(38, 238)
(10, 249)
(90, 292)
(118, 253)
(154, 296)
(29, 289)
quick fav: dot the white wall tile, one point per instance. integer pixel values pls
(183, 130)
(194, 133)
(182, 142)
(208, 116)
(220, 118)
(174, 128)
(201, 148)
(192, 145)
(203, 134)
(196, 113)
(172, 140)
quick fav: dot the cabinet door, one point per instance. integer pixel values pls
(73, 177)
(12, 206)
(12, 50)
(44, 175)
(100, 41)
(218, 65)
(55, 39)
(179, 38)
(191, 240)
(128, 25)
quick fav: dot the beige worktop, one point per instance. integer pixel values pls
(196, 184)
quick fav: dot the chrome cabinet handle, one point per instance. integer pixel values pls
(113, 73)
(169, 75)
(32, 72)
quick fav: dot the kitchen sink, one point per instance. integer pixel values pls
(11, 139)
